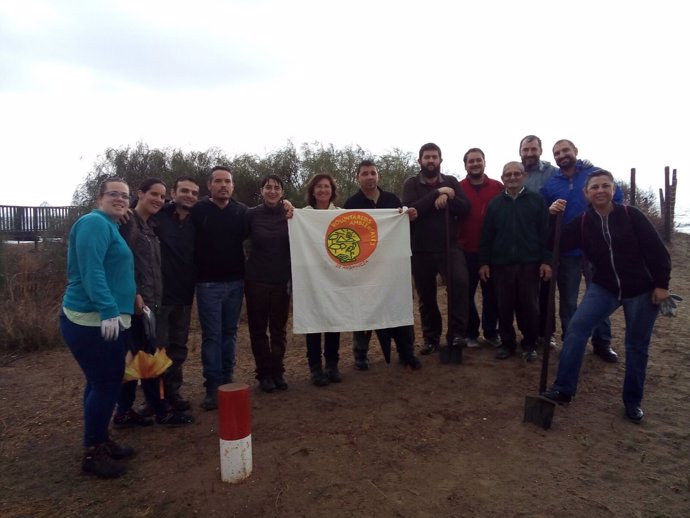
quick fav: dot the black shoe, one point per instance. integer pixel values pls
(428, 348)
(280, 382)
(267, 384)
(117, 451)
(318, 377)
(413, 363)
(362, 364)
(605, 353)
(98, 462)
(634, 413)
(333, 373)
(556, 395)
(130, 419)
(459, 341)
(174, 419)
(210, 402)
(504, 352)
(145, 410)
(178, 402)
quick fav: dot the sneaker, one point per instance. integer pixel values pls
(210, 401)
(130, 419)
(98, 462)
(634, 413)
(530, 356)
(280, 382)
(504, 352)
(556, 395)
(494, 341)
(117, 451)
(267, 384)
(472, 343)
(175, 419)
(459, 341)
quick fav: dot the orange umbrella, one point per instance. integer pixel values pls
(145, 365)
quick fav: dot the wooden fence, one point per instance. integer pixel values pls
(34, 223)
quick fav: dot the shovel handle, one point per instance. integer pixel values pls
(551, 306)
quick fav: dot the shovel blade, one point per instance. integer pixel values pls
(451, 354)
(539, 410)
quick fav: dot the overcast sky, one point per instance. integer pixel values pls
(77, 77)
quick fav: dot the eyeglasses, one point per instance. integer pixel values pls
(117, 194)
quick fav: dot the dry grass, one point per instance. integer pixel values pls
(31, 288)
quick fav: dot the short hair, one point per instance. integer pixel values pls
(565, 140)
(184, 179)
(273, 177)
(473, 150)
(530, 138)
(429, 146)
(219, 168)
(311, 185)
(515, 163)
(103, 186)
(597, 173)
(367, 162)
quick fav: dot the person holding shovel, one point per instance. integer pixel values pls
(632, 268)
(514, 254)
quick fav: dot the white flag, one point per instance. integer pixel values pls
(350, 270)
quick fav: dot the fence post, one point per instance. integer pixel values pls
(633, 189)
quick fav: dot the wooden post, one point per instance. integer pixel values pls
(667, 206)
(633, 190)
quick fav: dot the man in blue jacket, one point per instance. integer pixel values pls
(568, 184)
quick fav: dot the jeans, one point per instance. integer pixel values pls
(570, 270)
(219, 305)
(331, 346)
(598, 304)
(103, 365)
(425, 268)
(172, 332)
(268, 306)
(489, 319)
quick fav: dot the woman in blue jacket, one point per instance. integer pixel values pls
(95, 320)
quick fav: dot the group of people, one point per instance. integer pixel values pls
(130, 267)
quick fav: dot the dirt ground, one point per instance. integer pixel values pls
(443, 441)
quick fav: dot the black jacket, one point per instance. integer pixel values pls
(387, 200)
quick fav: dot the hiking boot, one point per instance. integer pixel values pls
(130, 419)
(178, 402)
(280, 382)
(174, 419)
(210, 402)
(318, 377)
(267, 384)
(98, 462)
(333, 373)
(117, 451)
(428, 348)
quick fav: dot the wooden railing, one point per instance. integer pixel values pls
(33, 223)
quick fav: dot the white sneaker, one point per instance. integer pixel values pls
(472, 343)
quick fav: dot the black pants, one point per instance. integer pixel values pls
(172, 332)
(517, 292)
(489, 318)
(330, 348)
(268, 306)
(425, 267)
(402, 335)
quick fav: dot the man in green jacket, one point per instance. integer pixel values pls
(513, 252)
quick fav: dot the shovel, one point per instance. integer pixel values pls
(449, 353)
(538, 409)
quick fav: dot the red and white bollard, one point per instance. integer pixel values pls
(235, 432)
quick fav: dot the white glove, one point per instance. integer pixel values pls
(110, 329)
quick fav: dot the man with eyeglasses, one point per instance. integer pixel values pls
(568, 184)
(513, 253)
